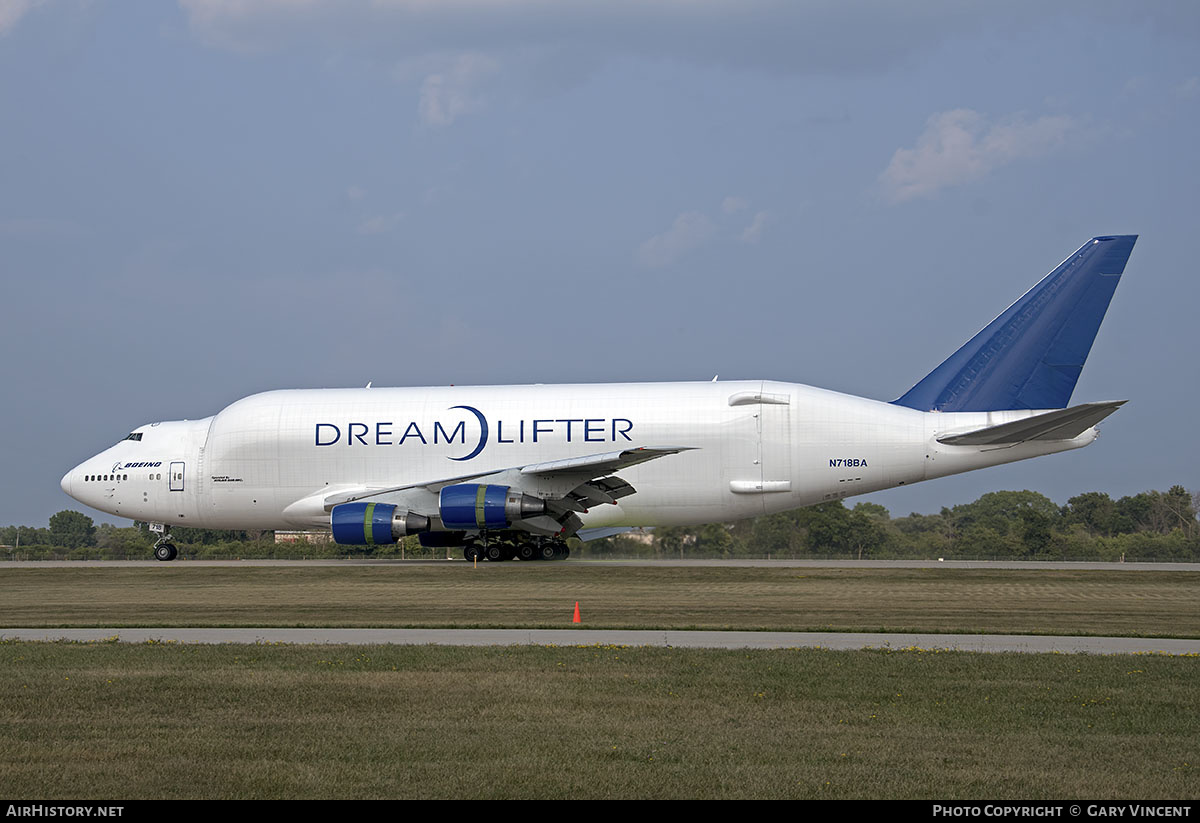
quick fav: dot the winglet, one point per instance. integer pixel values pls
(1030, 356)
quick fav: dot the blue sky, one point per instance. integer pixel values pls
(204, 200)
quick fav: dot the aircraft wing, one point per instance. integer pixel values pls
(566, 486)
(602, 463)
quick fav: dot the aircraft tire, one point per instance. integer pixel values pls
(471, 553)
(495, 553)
(165, 551)
(548, 551)
(527, 551)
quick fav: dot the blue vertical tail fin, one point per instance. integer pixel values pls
(1030, 356)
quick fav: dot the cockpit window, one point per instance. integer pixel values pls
(134, 436)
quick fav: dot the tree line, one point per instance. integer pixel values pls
(1005, 525)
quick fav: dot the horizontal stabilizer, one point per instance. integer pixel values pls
(1061, 424)
(1030, 356)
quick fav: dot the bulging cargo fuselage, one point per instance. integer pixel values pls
(753, 447)
(527, 466)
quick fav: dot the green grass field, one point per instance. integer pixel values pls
(1143, 603)
(167, 721)
(123, 721)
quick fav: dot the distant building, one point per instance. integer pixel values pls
(302, 537)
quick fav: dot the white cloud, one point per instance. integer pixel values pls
(382, 223)
(960, 146)
(734, 204)
(689, 231)
(11, 12)
(448, 94)
(254, 25)
(754, 232)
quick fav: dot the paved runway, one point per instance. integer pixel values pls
(624, 637)
(784, 564)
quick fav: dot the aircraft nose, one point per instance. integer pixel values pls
(66, 482)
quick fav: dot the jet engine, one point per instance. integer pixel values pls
(462, 507)
(481, 506)
(359, 524)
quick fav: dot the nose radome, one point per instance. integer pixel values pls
(66, 482)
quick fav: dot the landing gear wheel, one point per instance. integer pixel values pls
(495, 552)
(471, 553)
(165, 551)
(527, 551)
(548, 551)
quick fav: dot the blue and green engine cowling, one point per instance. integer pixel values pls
(463, 507)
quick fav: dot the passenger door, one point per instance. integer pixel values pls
(176, 477)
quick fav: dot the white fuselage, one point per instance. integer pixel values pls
(754, 447)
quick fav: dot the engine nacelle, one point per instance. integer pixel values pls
(369, 524)
(480, 506)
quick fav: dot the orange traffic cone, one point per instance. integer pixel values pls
(577, 619)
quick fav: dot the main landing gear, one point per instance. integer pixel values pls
(500, 550)
(164, 549)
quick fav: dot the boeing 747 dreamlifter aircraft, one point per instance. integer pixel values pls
(512, 471)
